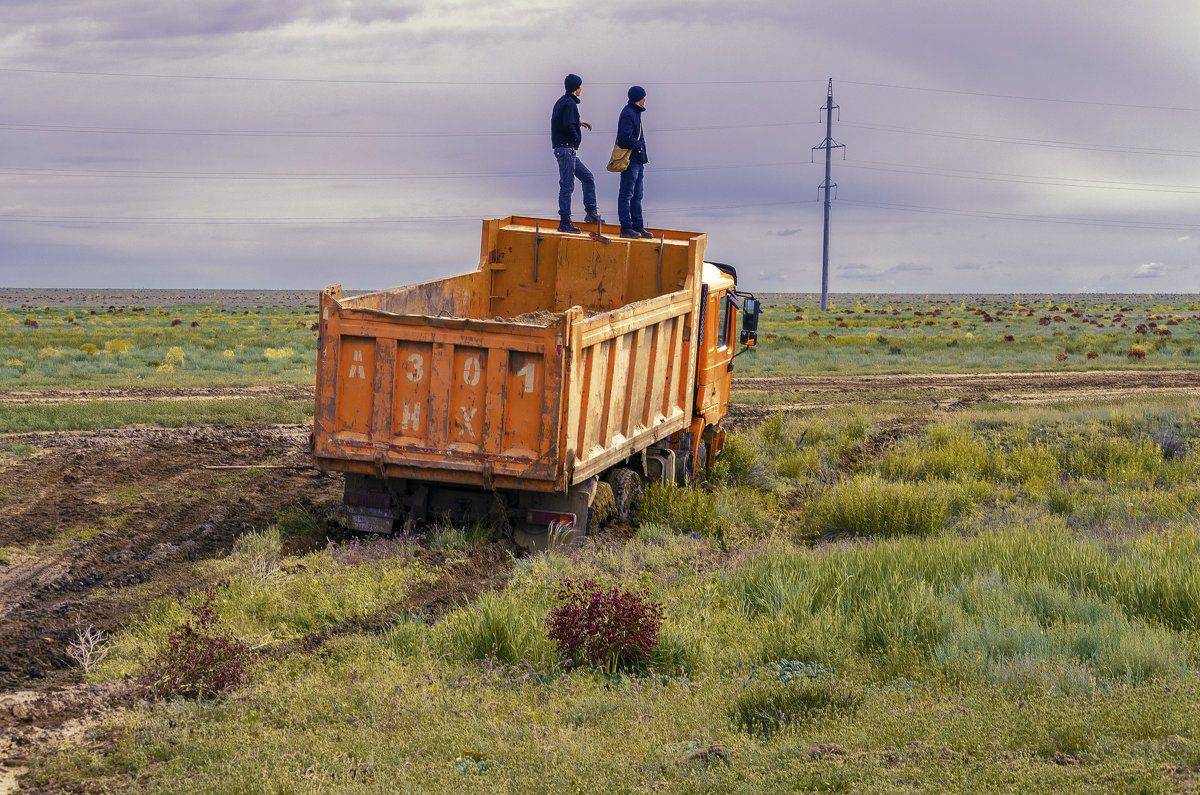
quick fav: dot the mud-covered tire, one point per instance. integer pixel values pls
(603, 507)
(700, 469)
(627, 492)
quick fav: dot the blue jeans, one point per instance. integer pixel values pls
(629, 198)
(569, 169)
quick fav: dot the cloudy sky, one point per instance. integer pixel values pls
(989, 147)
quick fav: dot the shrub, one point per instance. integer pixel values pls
(89, 348)
(202, 658)
(173, 357)
(608, 628)
(738, 463)
(1060, 501)
(117, 346)
(684, 510)
(867, 505)
(501, 626)
(272, 354)
(766, 708)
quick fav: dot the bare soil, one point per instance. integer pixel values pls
(99, 522)
(146, 394)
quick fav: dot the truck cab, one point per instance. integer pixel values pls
(721, 303)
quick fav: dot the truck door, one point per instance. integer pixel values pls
(716, 353)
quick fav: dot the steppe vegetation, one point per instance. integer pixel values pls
(1006, 598)
(862, 598)
(956, 334)
(175, 346)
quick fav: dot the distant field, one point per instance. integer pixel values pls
(928, 334)
(79, 339)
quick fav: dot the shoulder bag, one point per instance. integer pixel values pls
(619, 161)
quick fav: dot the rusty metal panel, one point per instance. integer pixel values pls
(355, 385)
(410, 403)
(450, 380)
(525, 380)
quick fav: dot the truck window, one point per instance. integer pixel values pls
(723, 322)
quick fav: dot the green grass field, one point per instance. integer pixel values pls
(864, 598)
(215, 344)
(1006, 600)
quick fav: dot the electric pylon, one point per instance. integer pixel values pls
(828, 145)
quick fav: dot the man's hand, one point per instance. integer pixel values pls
(585, 124)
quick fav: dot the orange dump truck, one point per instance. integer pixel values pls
(517, 391)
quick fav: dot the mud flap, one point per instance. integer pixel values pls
(542, 510)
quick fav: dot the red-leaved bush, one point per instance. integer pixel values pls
(608, 628)
(202, 658)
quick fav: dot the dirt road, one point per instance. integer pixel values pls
(953, 390)
(97, 523)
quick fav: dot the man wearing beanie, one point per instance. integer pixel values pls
(631, 137)
(565, 137)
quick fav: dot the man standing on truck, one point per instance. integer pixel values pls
(565, 137)
(631, 137)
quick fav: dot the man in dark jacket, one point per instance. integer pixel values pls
(565, 137)
(630, 136)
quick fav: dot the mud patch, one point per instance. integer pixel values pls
(465, 575)
(33, 723)
(102, 523)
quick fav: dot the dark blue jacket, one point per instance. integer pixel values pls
(630, 134)
(564, 122)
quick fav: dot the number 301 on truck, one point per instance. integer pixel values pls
(563, 367)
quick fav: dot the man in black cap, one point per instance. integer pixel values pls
(565, 137)
(630, 136)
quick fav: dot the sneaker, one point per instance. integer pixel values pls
(630, 233)
(593, 217)
(644, 233)
(570, 228)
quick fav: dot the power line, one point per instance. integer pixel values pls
(1021, 179)
(1046, 219)
(1025, 98)
(555, 83)
(70, 128)
(860, 165)
(297, 221)
(1043, 142)
(387, 82)
(235, 175)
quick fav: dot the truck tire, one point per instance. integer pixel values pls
(627, 492)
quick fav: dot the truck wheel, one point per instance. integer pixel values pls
(603, 506)
(699, 468)
(627, 492)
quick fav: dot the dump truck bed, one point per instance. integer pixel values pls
(558, 357)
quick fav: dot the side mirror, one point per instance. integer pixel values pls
(749, 338)
(750, 310)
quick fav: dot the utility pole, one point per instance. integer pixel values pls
(828, 145)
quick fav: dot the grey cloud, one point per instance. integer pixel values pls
(967, 266)
(909, 267)
(786, 233)
(134, 20)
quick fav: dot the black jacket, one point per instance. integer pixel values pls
(630, 134)
(564, 122)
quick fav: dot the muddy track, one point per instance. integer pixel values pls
(957, 390)
(97, 524)
(150, 394)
